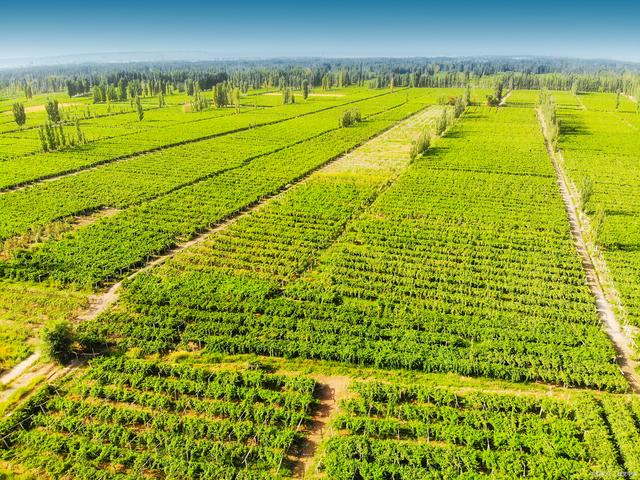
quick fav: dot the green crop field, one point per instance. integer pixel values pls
(345, 272)
(602, 143)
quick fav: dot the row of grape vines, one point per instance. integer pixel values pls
(128, 418)
(419, 432)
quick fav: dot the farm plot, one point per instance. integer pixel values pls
(108, 248)
(127, 418)
(20, 170)
(464, 265)
(97, 122)
(277, 242)
(602, 145)
(147, 176)
(416, 432)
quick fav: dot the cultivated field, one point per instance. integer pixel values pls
(266, 290)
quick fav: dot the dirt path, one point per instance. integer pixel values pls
(330, 391)
(42, 108)
(19, 369)
(46, 370)
(621, 340)
(275, 94)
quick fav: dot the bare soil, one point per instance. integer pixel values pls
(330, 391)
(41, 108)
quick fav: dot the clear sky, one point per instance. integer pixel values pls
(328, 28)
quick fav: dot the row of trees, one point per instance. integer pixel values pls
(53, 136)
(547, 106)
(531, 73)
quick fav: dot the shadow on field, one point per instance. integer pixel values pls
(573, 126)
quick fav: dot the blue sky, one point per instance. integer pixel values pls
(323, 28)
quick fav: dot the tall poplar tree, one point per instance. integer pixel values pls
(53, 111)
(139, 108)
(19, 114)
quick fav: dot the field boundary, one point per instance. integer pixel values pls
(595, 269)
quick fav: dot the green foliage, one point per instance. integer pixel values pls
(460, 106)
(52, 137)
(122, 91)
(311, 139)
(414, 431)
(575, 87)
(305, 89)
(600, 156)
(28, 91)
(349, 117)
(139, 109)
(58, 338)
(199, 102)
(98, 94)
(53, 111)
(235, 97)
(287, 96)
(499, 90)
(178, 421)
(19, 115)
(548, 109)
(597, 223)
(111, 94)
(442, 123)
(80, 138)
(420, 145)
(221, 95)
(466, 96)
(496, 98)
(586, 188)
(370, 299)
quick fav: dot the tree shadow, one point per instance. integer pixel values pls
(571, 125)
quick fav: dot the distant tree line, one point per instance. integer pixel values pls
(118, 82)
